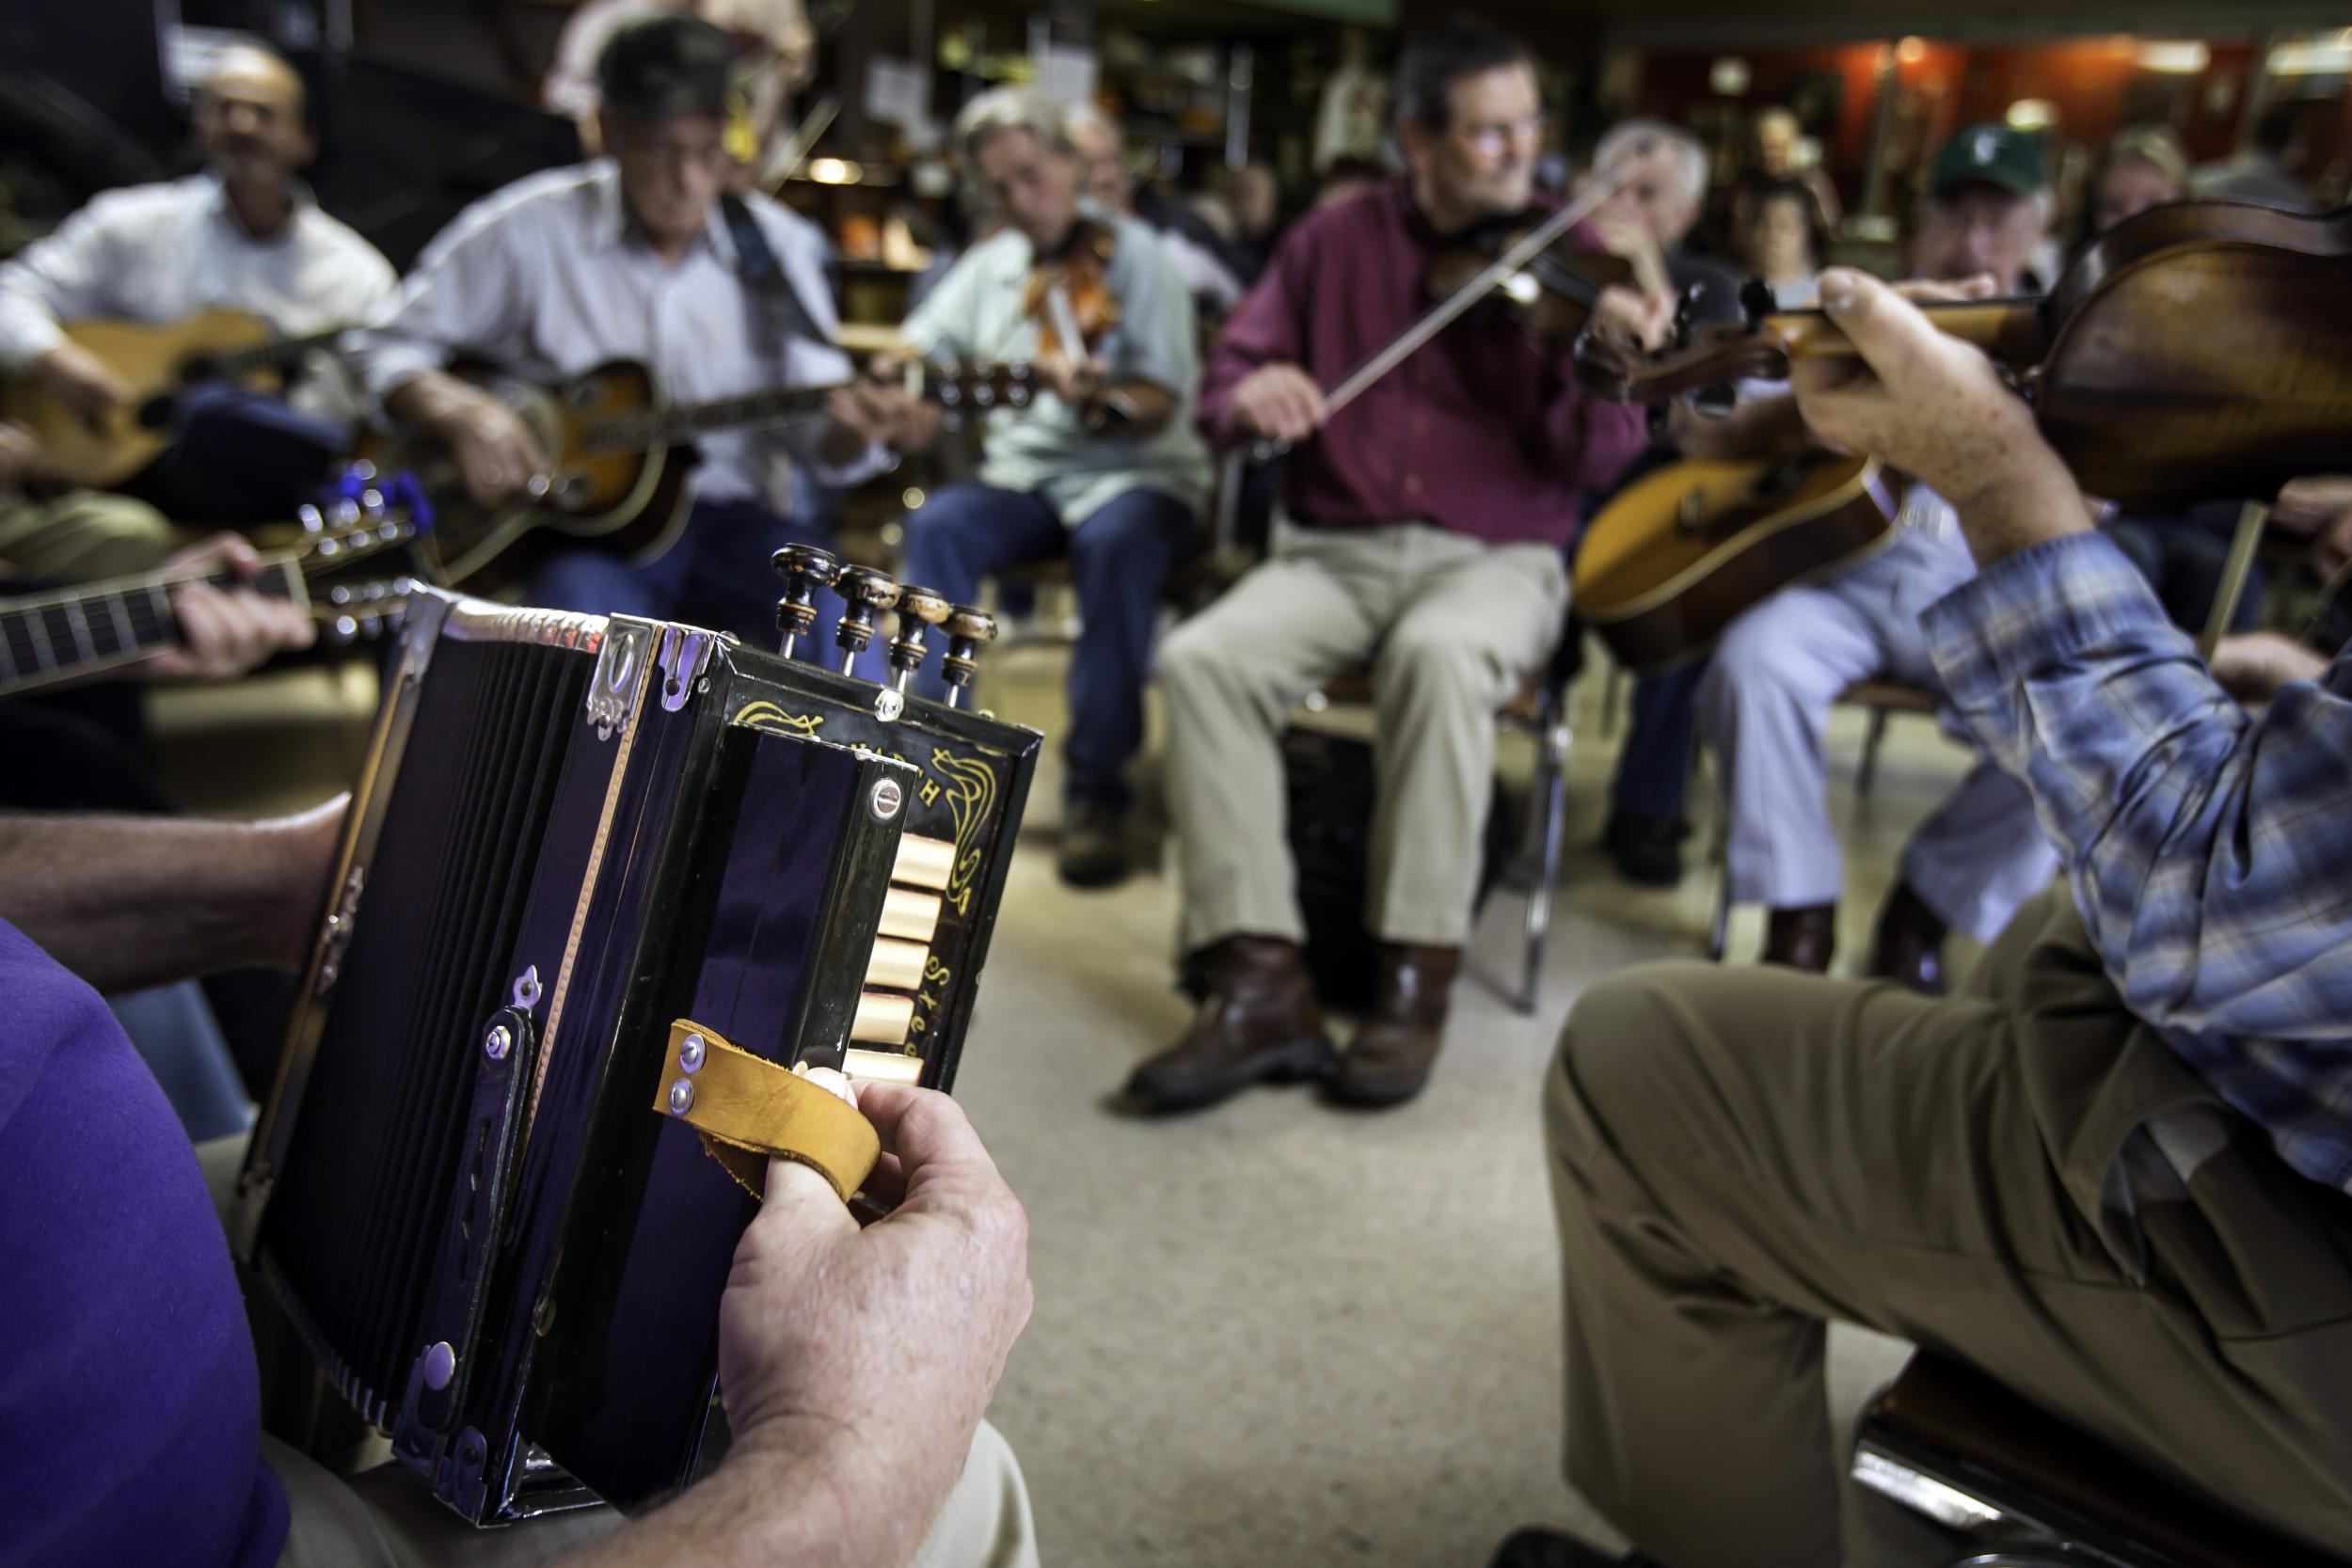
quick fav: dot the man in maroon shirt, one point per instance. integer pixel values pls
(1421, 532)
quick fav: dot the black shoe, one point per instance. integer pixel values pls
(1647, 850)
(1538, 1547)
(1093, 849)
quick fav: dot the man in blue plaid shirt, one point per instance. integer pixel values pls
(2111, 1172)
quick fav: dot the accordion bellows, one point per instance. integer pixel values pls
(570, 832)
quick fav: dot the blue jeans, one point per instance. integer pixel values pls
(716, 575)
(241, 456)
(1654, 769)
(1120, 557)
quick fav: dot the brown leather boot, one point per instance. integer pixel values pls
(1258, 1019)
(1389, 1061)
(1910, 947)
(1802, 938)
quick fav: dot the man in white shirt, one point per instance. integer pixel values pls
(632, 256)
(245, 235)
(1103, 467)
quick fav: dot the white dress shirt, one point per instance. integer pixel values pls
(160, 253)
(547, 279)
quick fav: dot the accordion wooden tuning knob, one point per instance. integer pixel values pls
(969, 630)
(918, 608)
(864, 594)
(805, 569)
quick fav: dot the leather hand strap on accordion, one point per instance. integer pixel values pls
(748, 1108)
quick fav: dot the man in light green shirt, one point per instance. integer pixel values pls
(1103, 465)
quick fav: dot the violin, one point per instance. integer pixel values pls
(1069, 296)
(1524, 264)
(2195, 352)
(1551, 296)
(1069, 292)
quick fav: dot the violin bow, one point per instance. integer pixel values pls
(1447, 310)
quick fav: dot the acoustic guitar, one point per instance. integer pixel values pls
(350, 569)
(621, 453)
(159, 364)
(1675, 557)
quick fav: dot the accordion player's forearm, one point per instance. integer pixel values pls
(763, 1510)
(128, 902)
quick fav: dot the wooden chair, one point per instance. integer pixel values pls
(2024, 1490)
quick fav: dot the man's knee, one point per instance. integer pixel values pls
(1447, 664)
(1623, 1039)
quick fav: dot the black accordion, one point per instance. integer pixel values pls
(570, 832)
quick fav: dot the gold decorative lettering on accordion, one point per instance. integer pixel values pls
(971, 796)
(765, 715)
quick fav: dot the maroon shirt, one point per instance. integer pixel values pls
(1480, 430)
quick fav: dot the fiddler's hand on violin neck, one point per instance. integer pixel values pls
(1937, 409)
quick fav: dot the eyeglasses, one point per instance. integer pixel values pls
(1494, 140)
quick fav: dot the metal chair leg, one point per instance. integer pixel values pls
(1869, 767)
(1550, 795)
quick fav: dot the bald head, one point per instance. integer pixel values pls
(250, 119)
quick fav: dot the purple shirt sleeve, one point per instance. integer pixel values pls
(1261, 330)
(130, 1407)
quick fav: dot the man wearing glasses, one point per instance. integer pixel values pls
(634, 257)
(1420, 532)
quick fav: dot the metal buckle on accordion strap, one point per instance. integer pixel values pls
(682, 657)
(458, 1290)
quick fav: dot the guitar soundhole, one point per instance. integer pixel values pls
(155, 413)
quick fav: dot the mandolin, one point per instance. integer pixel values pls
(1681, 552)
(159, 364)
(620, 455)
(350, 569)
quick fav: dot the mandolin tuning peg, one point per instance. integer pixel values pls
(805, 568)
(864, 594)
(969, 629)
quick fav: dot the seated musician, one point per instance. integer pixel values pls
(1764, 704)
(245, 235)
(635, 257)
(1652, 218)
(2110, 1173)
(1106, 469)
(1422, 532)
(855, 1364)
(1200, 257)
(72, 537)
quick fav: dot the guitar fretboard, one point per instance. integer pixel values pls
(668, 427)
(45, 639)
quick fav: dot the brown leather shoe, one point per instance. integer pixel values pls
(1389, 1061)
(1258, 1019)
(1802, 938)
(1910, 947)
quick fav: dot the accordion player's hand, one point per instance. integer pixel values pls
(872, 1352)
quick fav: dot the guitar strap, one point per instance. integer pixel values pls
(765, 278)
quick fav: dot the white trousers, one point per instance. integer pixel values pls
(1765, 705)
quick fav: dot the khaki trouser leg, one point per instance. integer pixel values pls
(83, 537)
(1475, 620)
(1739, 1155)
(384, 1519)
(1229, 679)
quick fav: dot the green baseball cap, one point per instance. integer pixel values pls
(1990, 155)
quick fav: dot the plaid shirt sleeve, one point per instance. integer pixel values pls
(2211, 852)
